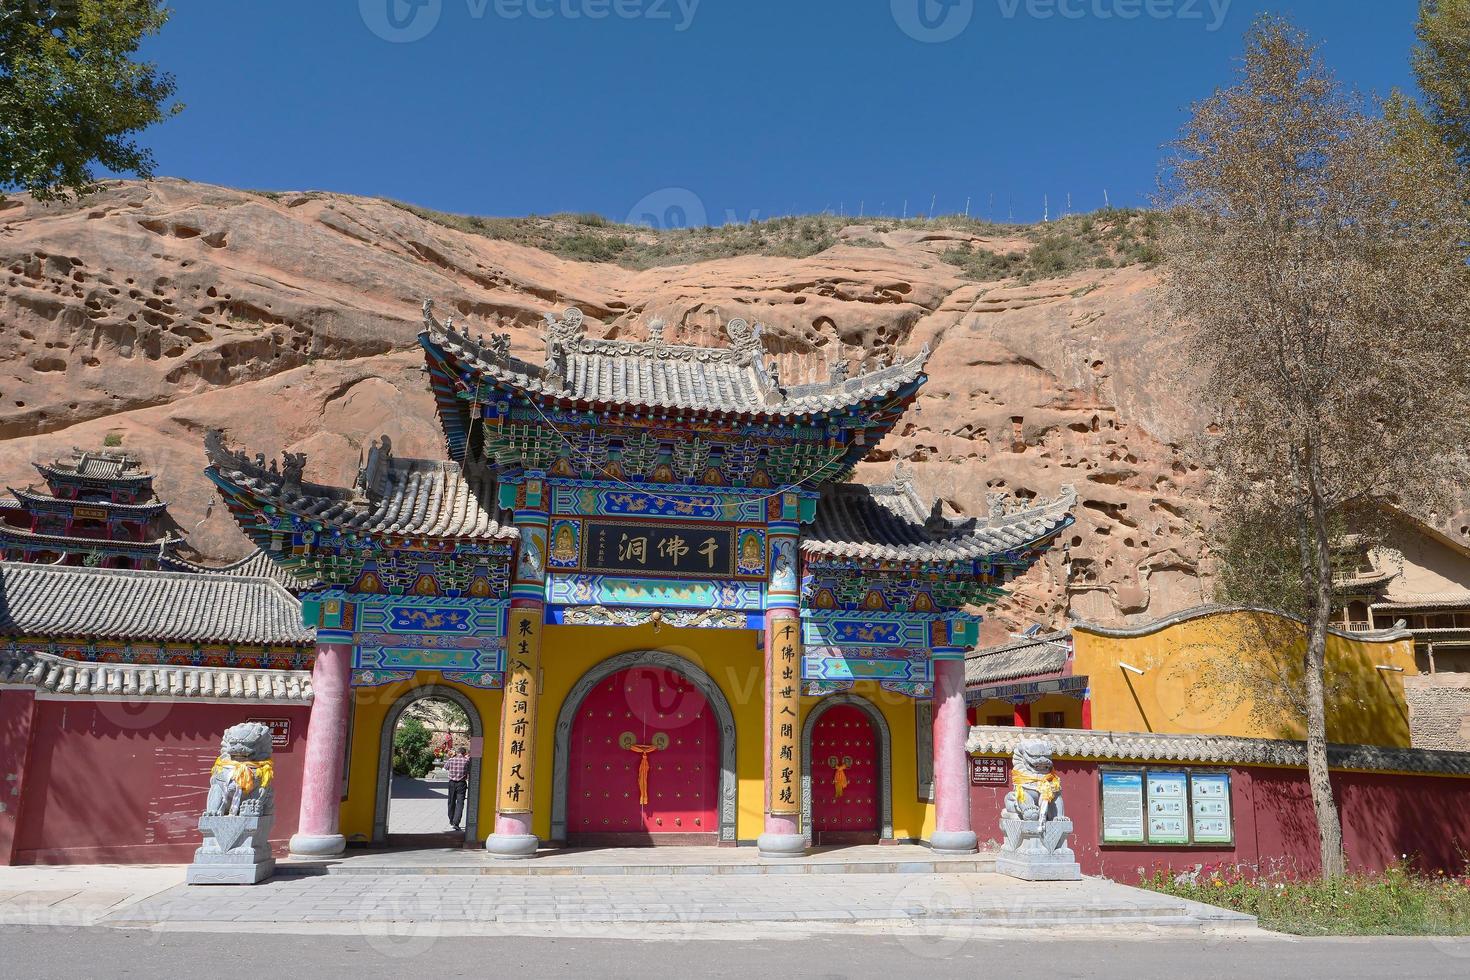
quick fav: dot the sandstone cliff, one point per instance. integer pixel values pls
(152, 312)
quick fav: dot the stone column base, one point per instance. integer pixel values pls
(318, 845)
(781, 845)
(230, 874)
(954, 842)
(512, 846)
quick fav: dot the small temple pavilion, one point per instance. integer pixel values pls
(644, 574)
(97, 509)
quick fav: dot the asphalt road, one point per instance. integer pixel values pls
(47, 953)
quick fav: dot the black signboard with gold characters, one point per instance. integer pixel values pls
(675, 550)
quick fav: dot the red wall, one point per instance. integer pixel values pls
(113, 782)
(1384, 817)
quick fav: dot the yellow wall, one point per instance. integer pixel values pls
(730, 657)
(1215, 674)
(370, 708)
(1065, 703)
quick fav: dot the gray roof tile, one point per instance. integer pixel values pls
(117, 604)
(1026, 658)
(1213, 750)
(61, 675)
(257, 564)
(407, 497)
(891, 522)
(672, 376)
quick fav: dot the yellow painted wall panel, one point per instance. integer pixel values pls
(1221, 674)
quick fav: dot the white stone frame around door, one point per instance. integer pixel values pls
(690, 671)
(885, 761)
(385, 758)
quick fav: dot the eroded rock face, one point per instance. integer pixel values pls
(153, 312)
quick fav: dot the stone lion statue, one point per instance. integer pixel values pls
(1037, 792)
(240, 782)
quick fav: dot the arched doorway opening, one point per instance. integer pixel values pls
(422, 730)
(645, 754)
(846, 775)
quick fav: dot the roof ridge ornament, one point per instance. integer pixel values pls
(745, 339)
(561, 336)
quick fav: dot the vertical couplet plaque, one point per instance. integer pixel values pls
(517, 738)
(784, 697)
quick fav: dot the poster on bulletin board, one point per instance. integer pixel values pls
(1210, 798)
(1122, 806)
(1168, 818)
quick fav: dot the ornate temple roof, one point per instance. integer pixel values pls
(890, 522)
(117, 604)
(97, 465)
(409, 497)
(257, 564)
(25, 495)
(17, 537)
(1033, 657)
(731, 380)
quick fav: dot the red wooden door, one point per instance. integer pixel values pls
(652, 713)
(843, 738)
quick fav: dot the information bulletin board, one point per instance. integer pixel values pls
(1166, 807)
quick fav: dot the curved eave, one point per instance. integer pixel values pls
(1011, 540)
(251, 489)
(61, 542)
(879, 388)
(134, 480)
(23, 495)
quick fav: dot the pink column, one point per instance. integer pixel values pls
(782, 836)
(326, 744)
(952, 833)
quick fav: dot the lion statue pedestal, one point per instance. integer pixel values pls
(1034, 824)
(238, 813)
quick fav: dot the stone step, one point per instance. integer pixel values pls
(476, 865)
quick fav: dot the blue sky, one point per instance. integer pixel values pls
(678, 109)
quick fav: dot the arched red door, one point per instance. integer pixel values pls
(845, 777)
(644, 762)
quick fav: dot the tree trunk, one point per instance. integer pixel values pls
(1317, 577)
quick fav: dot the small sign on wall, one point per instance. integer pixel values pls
(280, 730)
(477, 747)
(990, 772)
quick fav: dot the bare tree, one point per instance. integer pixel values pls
(1319, 263)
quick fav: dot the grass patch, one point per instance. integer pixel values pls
(1107, 239)
(1398, 902)
(593, 238)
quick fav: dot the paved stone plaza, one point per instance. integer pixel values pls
(418, 806)
(666, 903)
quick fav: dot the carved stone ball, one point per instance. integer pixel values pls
(247, 742)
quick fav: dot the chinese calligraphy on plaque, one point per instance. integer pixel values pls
(677, 550)
(518, 718)
(784, 696)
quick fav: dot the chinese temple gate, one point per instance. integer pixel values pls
(642, 567)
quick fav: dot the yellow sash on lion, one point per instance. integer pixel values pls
(246, 774)
(1048, 786)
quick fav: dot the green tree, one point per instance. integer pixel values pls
(1442, 66)
(1321, 271)
(412, 755)
(72, 96)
